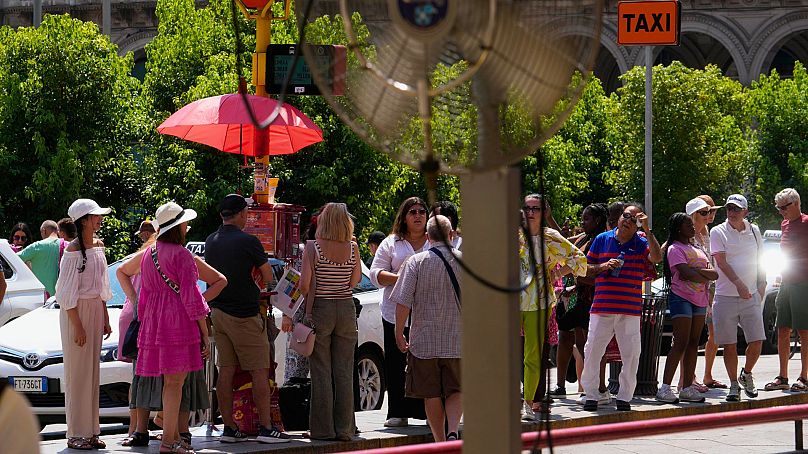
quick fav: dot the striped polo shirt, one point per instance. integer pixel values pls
(621, 294)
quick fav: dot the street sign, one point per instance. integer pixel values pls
(648, 23)
(328, 59)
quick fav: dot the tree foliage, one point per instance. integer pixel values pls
(699, 139)
(68, 110)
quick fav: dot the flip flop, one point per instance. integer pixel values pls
(715, 384)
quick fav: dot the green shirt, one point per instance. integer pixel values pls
(44, 258)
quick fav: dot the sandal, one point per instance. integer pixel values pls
(799, 386)
(715, 384)
(778, 383)
(79, 443)
(97, 443)
(136, 439)
(178, 447)
(702, 388)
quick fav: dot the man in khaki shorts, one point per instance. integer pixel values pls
(736, 246)
(240, 330)
(428, 287)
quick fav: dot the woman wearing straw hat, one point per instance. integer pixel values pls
(172, 314)
(82, 289)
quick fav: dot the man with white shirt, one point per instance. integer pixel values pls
(736, 247)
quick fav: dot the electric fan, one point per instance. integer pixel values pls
(461, 86)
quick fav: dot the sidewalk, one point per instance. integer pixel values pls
(776, 437)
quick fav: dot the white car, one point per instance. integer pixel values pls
(31, 356)
(24, 292)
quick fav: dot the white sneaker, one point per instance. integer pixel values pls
(690, 394)
(527, 412)
(604, 398)
(665, 394)
(396, 422)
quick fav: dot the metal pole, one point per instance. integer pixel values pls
(798, 435)
(208, 428)
(37, 19)
(649, 207)
(106, 17)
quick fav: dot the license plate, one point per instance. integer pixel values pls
(29, 384)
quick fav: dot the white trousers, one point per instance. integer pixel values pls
(626, 328)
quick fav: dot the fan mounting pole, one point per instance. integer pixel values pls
(490, 366)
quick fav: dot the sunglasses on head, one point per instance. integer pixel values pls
(20, 238)
(783, 207)
(417, 211)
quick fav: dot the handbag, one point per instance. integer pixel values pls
(129, 347)
(302, 339)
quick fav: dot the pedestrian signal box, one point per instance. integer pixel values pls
(329, 60)
(648, 23)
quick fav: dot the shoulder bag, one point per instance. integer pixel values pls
(303, 336)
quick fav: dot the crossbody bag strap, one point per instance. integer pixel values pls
(449, 270)
(173, 285)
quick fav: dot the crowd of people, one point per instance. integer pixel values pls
(586, 297)
(713, 276)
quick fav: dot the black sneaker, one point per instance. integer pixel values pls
(272, 435)
(452, 436)
(591, 405)
(559, 391)
(231, 435)
(622, 405)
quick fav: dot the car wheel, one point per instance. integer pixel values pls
(371, 380)
(769, 319)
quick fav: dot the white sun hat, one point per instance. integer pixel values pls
(170, 215)
(83, 207)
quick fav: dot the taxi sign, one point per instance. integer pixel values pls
(648, 23)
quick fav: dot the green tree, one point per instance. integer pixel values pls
(778, 108)
(576, 158)
(68, 107)
(699, 141)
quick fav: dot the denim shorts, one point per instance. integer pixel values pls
(680, 307)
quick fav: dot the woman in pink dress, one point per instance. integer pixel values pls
(173, 337)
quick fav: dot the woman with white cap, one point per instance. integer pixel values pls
(173, 336)
(81, 290)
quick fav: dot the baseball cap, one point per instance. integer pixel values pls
(695, 205)
(146, 226)
(83, 207)
(376, 237)
(738, 200)
(232, 204)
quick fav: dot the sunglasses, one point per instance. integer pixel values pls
(528, 209)
(783, 207)
(734, 208)
(629, 216)
(417, 211)
(704, 212)
(20, 238)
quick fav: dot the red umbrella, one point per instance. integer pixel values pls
(224, 123)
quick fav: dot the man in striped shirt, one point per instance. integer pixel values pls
(617, 257)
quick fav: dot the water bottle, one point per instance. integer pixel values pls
(616, 271)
